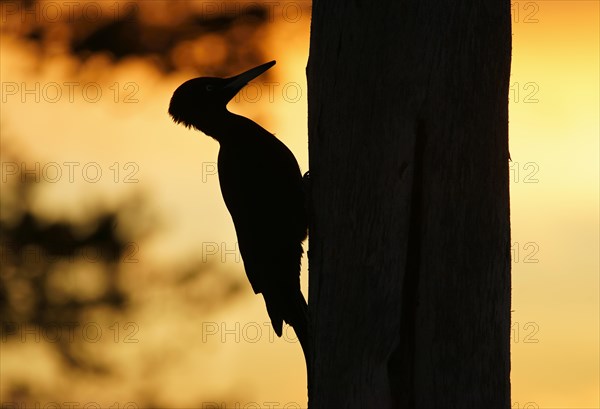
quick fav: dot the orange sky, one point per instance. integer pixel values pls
(554, 144)
(557, 216)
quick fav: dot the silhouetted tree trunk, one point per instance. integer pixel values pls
(410, 231)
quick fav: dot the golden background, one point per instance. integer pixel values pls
(185, 329)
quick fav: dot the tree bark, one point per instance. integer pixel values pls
(409, 292)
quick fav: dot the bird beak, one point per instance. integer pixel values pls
(235, 84)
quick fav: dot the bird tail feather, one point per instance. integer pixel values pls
(293, 311)
(298, 319)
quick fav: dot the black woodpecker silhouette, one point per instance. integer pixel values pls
(262, 187)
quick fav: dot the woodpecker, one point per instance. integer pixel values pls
(262, 188)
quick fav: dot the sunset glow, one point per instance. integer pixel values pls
(192, 331)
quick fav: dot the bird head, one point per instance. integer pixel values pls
(197, 101)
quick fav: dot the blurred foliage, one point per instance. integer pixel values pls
(215, 38)
(55, 275)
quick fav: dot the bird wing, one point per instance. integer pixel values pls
(262, 189)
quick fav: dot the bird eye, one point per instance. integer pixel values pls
(210, 87)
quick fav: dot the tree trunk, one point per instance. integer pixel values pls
(410, 230)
